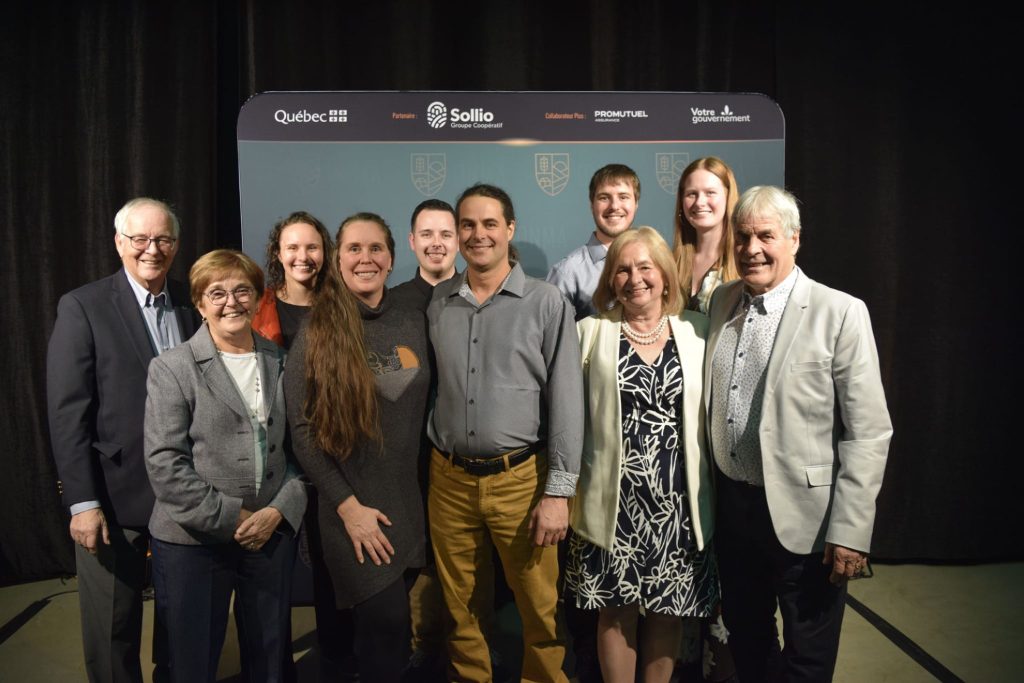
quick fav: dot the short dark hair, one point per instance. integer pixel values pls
(491, 192)
(615, 173)
(430, 205)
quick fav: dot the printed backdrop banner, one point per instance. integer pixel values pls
(336, 153)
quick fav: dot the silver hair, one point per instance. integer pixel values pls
(121, 219)
(768, 201)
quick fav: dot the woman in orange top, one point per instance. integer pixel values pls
(296, 251)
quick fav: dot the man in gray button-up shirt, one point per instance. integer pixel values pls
(508, 431)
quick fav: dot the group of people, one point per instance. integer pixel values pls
(704, 426)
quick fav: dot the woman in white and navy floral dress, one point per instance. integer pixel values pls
(643, 511)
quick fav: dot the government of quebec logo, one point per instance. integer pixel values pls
(437, 114)
(304, 116)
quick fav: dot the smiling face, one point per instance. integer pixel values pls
(764, 254)
(704, 201)
(147, 266)
(301, 253)
(614, 206)
(484, 234)
(638, 281)
(230, 323)
(434, 242)
(364, 260)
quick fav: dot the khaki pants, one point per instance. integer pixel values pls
(467, 515)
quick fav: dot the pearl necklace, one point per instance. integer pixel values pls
(644, 338)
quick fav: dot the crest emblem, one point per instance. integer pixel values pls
(669, 168)
(551, 172)
(427, 172)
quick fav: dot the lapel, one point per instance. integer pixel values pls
(271, 361)
(793, 318)
(691, 359)
(183, 309)
(215, 374)
(127, 307)
(723, 303)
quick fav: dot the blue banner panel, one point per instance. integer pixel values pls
(336, 153)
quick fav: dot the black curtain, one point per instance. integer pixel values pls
(898, 137)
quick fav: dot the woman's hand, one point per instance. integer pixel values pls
(255, 528)
(363, 526)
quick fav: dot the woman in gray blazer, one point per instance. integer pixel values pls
(227, 501)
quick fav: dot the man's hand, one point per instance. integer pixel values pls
(549, 520)
(257, 527)
(88, 528)
(846, 562)
(363, 526)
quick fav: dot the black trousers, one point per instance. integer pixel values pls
(383, 631)
(758, 574)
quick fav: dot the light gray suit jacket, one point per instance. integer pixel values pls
(825, 428)
(199, 445)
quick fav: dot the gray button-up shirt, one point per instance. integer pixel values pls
(578, 274)
(509, 374)
(737, 379)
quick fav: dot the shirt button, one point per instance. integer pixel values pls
(273, 447)
(735, 387)
(270, 421)
(741, 354)
(750, 320)
(472, 433)
(729, 420)
(732, 455)
(475, 340)
(471, 401)
(472, 371)
(270, 475)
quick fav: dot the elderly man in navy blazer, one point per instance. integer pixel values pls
(800, 433)
(104, 338)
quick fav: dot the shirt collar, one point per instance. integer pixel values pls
(142, 294)
(514, 283)
(597, 251)
(775, 299)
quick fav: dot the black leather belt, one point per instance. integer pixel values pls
(485, 467)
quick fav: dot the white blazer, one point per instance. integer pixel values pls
(596, 506)
(825, 428)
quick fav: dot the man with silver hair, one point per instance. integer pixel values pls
(800, 432)
(97, 362)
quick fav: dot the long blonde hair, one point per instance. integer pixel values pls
(685, 246)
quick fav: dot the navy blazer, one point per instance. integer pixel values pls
(96, 368)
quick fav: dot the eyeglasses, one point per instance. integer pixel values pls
(219, 297)
(141, 242)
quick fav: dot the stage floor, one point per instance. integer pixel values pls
(907, 623)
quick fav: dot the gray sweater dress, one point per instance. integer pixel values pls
(384, 478)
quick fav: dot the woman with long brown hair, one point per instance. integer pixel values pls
(297, 247)
(356, 388)
(703, 249)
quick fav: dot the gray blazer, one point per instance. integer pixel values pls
(199, 445)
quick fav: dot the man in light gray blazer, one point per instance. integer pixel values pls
(800, 433)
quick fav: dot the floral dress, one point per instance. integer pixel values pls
(654, 561)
